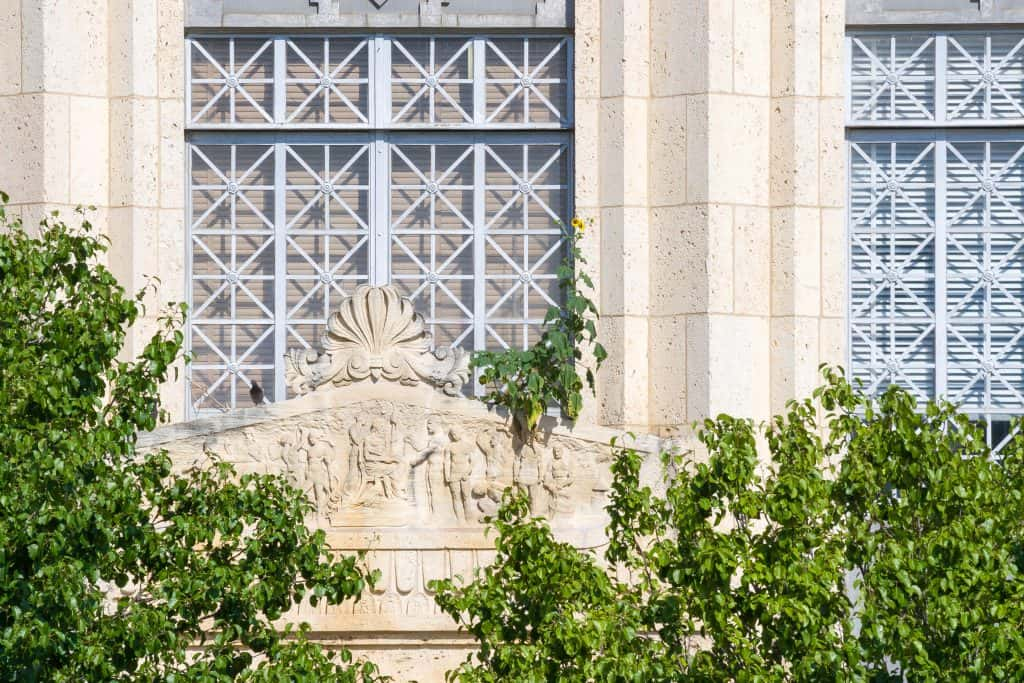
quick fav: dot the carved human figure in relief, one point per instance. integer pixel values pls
(492, 443)
(458, 468)
(431, 458)
(527, 471)
(291, 453)
(558, 479)
(319, 452)
(379, 466)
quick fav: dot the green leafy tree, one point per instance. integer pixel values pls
(527, 382)
(111, 566)
(883, 544)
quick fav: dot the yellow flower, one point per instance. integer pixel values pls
(578, 225)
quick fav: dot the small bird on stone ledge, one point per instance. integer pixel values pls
(256, 393)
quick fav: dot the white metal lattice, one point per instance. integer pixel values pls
(379, 81)
(938, 78)
(937, 268)
(467, 225)
(936, 216)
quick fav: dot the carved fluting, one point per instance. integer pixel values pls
(376, 335)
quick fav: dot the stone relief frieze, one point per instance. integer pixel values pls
(398, 463)
(381, 463)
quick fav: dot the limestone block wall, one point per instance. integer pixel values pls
(718, 182)
(91, 94)
(708, 151)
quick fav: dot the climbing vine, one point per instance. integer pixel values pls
(527, 382)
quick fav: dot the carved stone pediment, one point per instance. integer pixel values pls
(377, 335)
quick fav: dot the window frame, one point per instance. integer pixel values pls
(378, 135)
(944, 132)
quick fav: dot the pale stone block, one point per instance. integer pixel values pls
(10, 48)
(89, 150)
(625, 53)
(832, 153)
(721, 267)
(56, 141)
(727, 360)
(691, 259)
(720, 47)
(172, 154)
(794, 145)
(623, 152)
(752, 47)
(697, 152)
(796, 44)
(21, 155)
(833, 29)
(625, 261)
(66, 46)
(171, 248)
(588, 153)
(420, 660)
(679, 260)
(134, 152)
(587, 50)
(738, 149)
(834, 249)
(752, 260)
(623, 379)
(794, 360)
(668, 373)
(170, 58)
(796, 261)
(134, 45)
(172, 394)
(833, 341)
(667, 151)
(679, 47)
(135, 248)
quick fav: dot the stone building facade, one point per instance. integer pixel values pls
(773, 184)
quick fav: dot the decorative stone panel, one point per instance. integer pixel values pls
(402, 466)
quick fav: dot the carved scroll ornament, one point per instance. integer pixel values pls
(377, 334)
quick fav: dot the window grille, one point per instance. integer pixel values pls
(936, 218)
(441, 165)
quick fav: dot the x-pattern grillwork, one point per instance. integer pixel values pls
(889, 76)
(938, 305)
(935, 79)
(892, 251)
(518, 186)
(231, 318)
(433, 79)
(230, 79)
(327, 236)
(985, 305)
(432, 236)
(981, 81)
(936, 217)
(326, 79)
(366, 82)
(531, 79)
(312, 170)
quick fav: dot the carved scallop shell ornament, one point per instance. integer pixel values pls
(376, 334)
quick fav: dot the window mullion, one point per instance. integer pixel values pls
(280, 272)
(380, 226)
(479, 77)
(941, 334)
(941, 70)
(280, 76)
